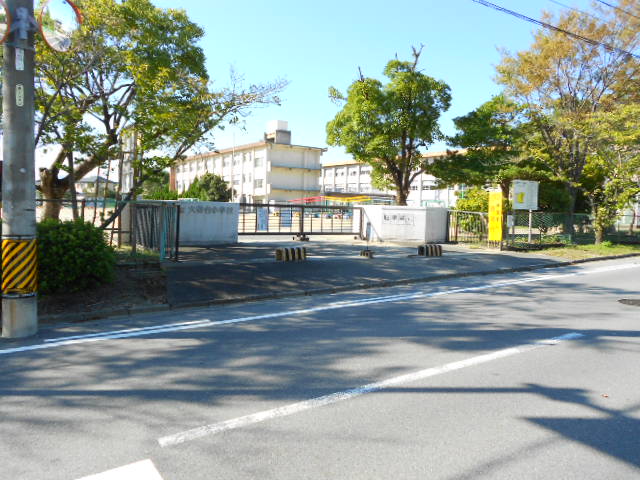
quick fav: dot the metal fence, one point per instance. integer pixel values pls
(298, 220)
(468, 227)
(542, 228)
(537, 229)
(92, 210)
(155, 226)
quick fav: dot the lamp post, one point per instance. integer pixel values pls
(19, 250)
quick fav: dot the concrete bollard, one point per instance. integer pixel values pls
(430, 250)
(366, 253)
(291, 254)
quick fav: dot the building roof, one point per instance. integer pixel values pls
(351, 161)
(340, 163)
(248, 146)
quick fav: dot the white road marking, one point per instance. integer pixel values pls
(299, 407)
(144, 470)
(173, 327)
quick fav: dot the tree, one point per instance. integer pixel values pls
(156, 187)
(488, 151)
(488, 137)
(388, 125)
(612, 171)
(209, 188)
(475, 199)
(560, 81)
(134, 68)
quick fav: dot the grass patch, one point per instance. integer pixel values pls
(125, 255)
(579, 252)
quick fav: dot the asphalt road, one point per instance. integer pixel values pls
(531, 376)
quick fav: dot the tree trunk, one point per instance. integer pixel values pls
(569, 220)
(599, 234)
(53, 190)
(72, 186)
(401, 197)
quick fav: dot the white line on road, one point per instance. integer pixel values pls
(173, 327)
(299, 407)
(144, 470)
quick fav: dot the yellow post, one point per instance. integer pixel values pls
(495, 216)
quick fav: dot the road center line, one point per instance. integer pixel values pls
(294, 408)
(173, 327)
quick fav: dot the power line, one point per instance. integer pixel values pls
(590, 41)
(615, 7)
(576, 9)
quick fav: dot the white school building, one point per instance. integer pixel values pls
(272, 170)
(352, 177)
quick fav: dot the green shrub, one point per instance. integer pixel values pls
(73, 256)
(475, 199)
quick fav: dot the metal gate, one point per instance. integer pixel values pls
(156, 227)
(468, 227)
(299, 220)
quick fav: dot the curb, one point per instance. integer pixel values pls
(130, 311)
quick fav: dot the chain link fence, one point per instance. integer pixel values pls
(540, 229)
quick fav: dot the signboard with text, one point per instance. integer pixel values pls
(525, 195)
(495, 216)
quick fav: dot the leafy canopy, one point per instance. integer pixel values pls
(135, 70)
(389, 125)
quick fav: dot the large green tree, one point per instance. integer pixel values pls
(561, 81)
(389, 126)
(612, 171)
(487, 150)
(485, 147)
(134, 68)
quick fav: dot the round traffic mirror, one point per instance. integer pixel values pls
(5, 21)
(59, 20)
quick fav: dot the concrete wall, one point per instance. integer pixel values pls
(300, 157)
(208, 223)
(405, 224)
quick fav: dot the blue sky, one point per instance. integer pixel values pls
(315, 45)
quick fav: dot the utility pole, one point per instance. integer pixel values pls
(19, 249)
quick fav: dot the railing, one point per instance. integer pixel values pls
(300, 220)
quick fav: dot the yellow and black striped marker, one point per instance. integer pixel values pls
(19, 267)
(291, 254)
(430, 250)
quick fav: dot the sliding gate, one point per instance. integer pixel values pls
(299, 220)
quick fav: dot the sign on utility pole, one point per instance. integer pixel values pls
(19, 247)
